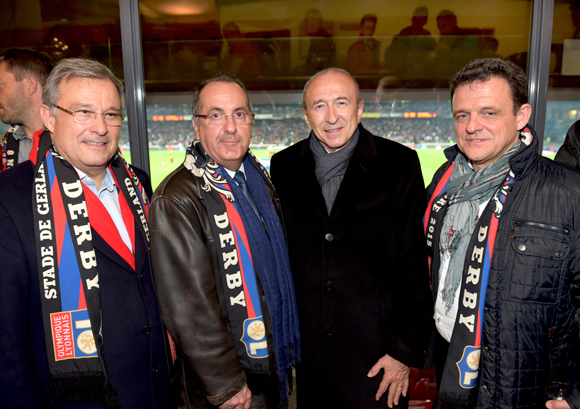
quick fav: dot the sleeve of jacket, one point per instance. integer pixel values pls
(413, 296)
(574, 267)
(188, 295)
(569, 152)
(19, 383)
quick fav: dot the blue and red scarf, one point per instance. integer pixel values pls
(251, 249)
(65, 214)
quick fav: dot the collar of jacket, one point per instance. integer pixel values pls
(365, 146)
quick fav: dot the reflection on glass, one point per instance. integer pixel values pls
(277, 45)
(563, 106)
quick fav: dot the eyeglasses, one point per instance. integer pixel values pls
(86, 117)
(219, 118)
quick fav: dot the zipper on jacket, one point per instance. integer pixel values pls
(538, 225)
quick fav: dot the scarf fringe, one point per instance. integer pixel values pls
(83, 387)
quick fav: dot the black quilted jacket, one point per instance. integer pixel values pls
(533, 294)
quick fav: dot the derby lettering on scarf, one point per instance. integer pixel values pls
(230, 259)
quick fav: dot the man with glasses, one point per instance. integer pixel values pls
(220, 263)
(23, 73)
(77, 303)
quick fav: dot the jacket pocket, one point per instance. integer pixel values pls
(539, 252)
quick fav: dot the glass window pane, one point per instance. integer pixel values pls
(402, 62)
(63, 29)
(563, 108)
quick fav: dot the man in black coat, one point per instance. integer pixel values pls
(352, 205)
(77, 302)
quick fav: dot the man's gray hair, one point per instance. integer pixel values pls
(195, 106)
(332, 69)
(68, 68)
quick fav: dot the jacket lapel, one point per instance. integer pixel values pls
(103, 247)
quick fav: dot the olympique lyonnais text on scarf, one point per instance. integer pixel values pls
(65, 210)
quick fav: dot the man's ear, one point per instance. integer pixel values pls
(47, 118)
(306, 119)
(31, 85)
(360, 109)
(523, 115)
(195, 128)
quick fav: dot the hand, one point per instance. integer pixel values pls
(557, 404)
(395, 379)
(241, 400)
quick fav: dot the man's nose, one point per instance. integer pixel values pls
(474, 124)
(230, 124)
(99, 126)
(332, 115)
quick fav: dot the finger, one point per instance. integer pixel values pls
(392, 394)
(374, 370)
(382, 388)
(405, 387)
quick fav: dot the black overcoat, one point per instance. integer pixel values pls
(360, 273)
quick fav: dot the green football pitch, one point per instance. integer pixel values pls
(164, 162)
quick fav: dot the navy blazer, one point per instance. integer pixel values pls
(134, 338)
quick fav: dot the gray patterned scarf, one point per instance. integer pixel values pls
(467, 190)
(331, 167)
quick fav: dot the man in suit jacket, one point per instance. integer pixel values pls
(352, 206)
(78, 310)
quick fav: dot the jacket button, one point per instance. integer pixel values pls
(559, 254)
(154, 370)
(146, 330)
(484, 388)
(486, 309)
(485, 349)
(522, 247)
(329, 237)
(329, 285)
(328, 331)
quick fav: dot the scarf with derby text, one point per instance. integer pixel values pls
(65, 210)
(458, 388)
(248, 248)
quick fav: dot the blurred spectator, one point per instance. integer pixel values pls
(456, 46)
(575, 11)
(408, 55)
(241, 60)
(363, 54)
(322, 51)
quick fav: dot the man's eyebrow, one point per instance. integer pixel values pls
(318, 101)
(218, 109)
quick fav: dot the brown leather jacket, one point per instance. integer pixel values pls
(189, 289)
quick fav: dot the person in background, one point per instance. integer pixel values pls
(23, 73)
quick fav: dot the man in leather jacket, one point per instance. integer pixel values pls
(220, 263)
(502, 227)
